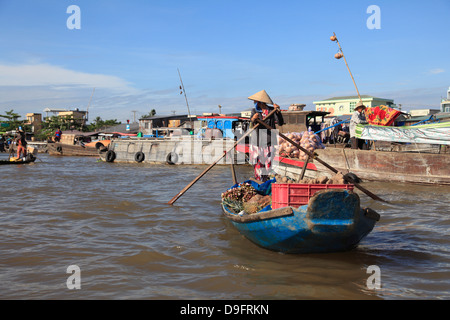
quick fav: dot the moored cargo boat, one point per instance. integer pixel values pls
(408, 159)
(61, 149)
(182, 150)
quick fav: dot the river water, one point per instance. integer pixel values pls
(113, 222)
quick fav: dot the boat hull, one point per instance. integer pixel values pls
(333, 221)
(8, 162)
(173, 151)
(371, 165)
(61, 149)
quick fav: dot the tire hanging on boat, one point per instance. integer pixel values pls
(353, 177)
(139, 157)
(110, 156)
(59, 148)
(172, 158)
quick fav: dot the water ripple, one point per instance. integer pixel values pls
(113, 221)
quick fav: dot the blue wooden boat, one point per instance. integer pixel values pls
(332, 221)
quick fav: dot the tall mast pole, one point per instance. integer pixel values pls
(185, 97)
(87, 110)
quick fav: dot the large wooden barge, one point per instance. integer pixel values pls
(397, 154)
(183, 150)
(372, 165)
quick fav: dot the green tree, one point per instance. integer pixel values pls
(151, 114)
(52, 123)
(98, 124)
(12, 120)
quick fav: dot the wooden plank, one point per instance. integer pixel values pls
(247, 218)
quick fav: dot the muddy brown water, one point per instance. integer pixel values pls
(113, 222)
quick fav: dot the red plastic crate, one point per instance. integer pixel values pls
(295, 195)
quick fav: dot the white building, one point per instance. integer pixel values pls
(445, 104)
(339, 106)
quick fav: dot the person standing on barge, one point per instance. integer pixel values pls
(358, 117)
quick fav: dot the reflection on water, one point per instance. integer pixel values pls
(113, 221)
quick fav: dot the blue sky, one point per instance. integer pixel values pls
(129, 51)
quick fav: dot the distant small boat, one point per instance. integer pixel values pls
(77, 143)
(29, 159)
(332, 221)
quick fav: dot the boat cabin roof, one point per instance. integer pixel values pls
(298, 121)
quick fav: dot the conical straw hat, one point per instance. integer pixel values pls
(360, 105)
(261, 96)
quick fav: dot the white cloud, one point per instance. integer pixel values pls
(436, 71)
(48, 75)
(33, 87)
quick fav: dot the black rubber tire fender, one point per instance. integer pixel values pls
(110, 156)
(139, 156)
(172, 158)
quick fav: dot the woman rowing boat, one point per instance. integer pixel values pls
(261, 146)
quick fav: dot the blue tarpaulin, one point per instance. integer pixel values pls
(263, 188)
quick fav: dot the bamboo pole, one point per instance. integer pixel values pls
(218, 159)
(343, 55)
(185, 97)
(312, 156)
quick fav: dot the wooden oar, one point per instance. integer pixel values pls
(302, 174)
(233, 172)
(312, 156)
(220, 158)
(11, 150)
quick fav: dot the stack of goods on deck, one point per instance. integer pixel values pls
(285, 193)
(245, 198)
(307, 140)
(336, 179)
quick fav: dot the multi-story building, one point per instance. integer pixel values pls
(445, 104)
(35, 121)
(339, 106)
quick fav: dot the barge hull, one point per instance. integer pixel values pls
(370, 165)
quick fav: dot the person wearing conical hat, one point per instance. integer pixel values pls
(358, 117)
(261, 146)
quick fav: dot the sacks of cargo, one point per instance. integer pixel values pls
(337, 179)
(307, 140)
